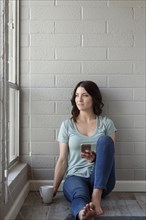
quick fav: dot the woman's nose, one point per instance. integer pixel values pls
(80, 98)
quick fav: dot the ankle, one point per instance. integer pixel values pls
(96, 195)
(97, 192)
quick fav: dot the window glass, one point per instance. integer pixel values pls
(13, 80)
(13, 124)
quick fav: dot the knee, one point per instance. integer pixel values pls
(105, 142)
(105, 139)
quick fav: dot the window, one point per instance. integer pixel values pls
(13, 80)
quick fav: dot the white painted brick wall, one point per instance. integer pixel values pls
(80, 27)
(63, 42)
(55, 67)
(80, 53)
(55, 40)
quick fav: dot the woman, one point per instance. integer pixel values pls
(89, 175)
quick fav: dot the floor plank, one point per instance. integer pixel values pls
(116, 206)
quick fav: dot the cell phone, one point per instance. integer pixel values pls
(85, 147)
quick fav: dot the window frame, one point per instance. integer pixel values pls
(13, 82)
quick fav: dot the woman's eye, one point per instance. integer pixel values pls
(83, 95)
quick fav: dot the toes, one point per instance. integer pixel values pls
(92, 206)
(99, 212)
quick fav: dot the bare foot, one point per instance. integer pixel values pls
(87, 212)
(96, 199)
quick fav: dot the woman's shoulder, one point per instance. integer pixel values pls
(105, 120)
(67, 122)
(108, 124)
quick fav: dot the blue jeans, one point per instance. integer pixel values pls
(78, 190)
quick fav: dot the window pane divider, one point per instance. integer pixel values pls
(13, 86)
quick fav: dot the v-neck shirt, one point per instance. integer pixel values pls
(69, 134)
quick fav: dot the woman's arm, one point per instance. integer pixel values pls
(61, 166)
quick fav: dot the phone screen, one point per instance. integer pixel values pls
(85, 147)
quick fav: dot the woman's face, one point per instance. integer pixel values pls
(83, 100)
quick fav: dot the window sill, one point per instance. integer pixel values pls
(15, 171)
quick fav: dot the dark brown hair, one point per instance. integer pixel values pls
(93, 90)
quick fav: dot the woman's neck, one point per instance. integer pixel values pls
(86, 117)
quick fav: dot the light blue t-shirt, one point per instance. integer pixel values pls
(69, 134)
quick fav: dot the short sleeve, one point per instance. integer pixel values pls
(110, 127)
(63, 132)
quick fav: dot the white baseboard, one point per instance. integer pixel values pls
(35, 184)
(121, 186)
(12, 214)
(130, 186)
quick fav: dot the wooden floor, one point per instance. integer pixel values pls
(116, 206)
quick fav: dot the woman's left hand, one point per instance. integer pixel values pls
(89, 155)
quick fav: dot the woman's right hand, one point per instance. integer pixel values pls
(89, 155)
(54, 194)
